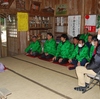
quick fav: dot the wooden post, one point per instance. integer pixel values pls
(27, 4)
(53, 26)
(0, 42)
(82, 16)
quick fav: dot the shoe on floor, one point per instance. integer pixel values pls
(80, 88)
(87, 85)
(71, 68)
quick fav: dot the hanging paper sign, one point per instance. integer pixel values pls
(22, 21)
(74, 23)
(90, 23)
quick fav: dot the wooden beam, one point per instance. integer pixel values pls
(0, 42)
(10, 3)
(11, 11)
(83, 16)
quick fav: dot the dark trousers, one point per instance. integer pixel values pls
(33, 53)
(64, 61)
(49, 56)
(83, 62)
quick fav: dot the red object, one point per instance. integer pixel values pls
(87, 16)
(5, 67)
(91, 28)
(30, 56)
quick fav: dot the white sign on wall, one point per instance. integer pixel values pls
(74, 24)
(90, 23)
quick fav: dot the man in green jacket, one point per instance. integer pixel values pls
(91, 47)
(74, 44)
(34, 48)
(85, 35)
(49, 47)
(79, 55)
(63, 50)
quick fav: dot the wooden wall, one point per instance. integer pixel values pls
(74, 7)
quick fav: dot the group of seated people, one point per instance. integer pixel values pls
(83, 52)
(77, 52)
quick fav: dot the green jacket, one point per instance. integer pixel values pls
(50, 47)
(84, 37)
(34, 46)
(90, 53)
(63, 49)
(72, 48)
(79, 56)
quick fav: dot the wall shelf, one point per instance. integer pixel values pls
(41, 13)
(60, 33)
(40, 28)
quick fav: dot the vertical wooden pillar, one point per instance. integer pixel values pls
(82, 16)
(53, 26)
(23, 42)
(0, 42)
(27, 4)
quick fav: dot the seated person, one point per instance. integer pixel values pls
(79, 55)
(91, 47)
(34, 48)
(63, 49)
(49, 47)
(85, 35)
(73, 45)
(92, 68)
(95, 44)
(75, 41)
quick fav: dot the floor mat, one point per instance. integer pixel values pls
(45, 59)
(67, 64)
(31, 56)
(50, 60)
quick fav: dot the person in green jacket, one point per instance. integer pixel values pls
(91, 47)
(78, 57)
(63, 50)
(85, 35)
(74, 44)
(49, 47)
(34, 47)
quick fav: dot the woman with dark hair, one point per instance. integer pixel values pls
(62, 50)
(49, 47)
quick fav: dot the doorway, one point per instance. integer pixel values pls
(3, 37)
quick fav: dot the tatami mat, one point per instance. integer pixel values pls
(32, 78)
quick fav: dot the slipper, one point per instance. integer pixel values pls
(79, 88)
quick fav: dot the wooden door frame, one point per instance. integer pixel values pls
(0, 42)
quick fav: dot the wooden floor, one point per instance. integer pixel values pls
(32, 78)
